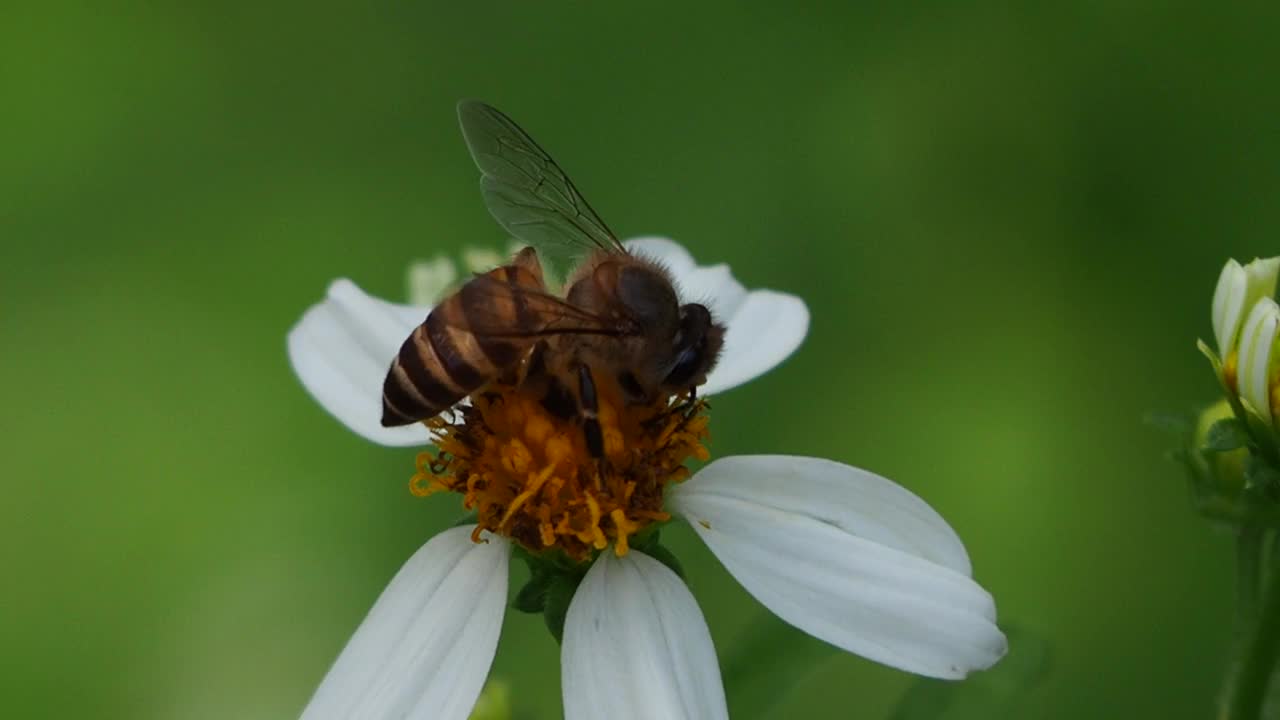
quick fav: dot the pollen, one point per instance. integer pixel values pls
(528, 475)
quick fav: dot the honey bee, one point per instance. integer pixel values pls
(619, 328)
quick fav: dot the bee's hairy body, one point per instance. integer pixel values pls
(618, 331)
(502, 325)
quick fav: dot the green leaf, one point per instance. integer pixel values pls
(659, 552)
(1226, 434)
(994, 693)
(559, 594)
(647, 538)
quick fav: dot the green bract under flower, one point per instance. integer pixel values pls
(1220, 466)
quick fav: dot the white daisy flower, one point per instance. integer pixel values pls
(840, 553)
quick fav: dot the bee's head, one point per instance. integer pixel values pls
(681, 342)
(695, 348)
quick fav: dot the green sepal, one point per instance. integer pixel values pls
(659, 552)
(646, 538)
(468, 519)
(1261, 433)
(553, 578)
(1208, 352)
(649, 542)
(546, 570)
(559, 595)
(553, 560)
(1253, 425)
(1260, 476)
(1226, 434)
(532, 598)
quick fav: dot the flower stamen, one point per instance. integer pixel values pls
(529, 476)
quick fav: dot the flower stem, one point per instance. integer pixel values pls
(1259, 642)
(1248, 577)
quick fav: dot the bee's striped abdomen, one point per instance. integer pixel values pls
(443, 361)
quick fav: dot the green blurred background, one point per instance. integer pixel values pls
(1006, 219)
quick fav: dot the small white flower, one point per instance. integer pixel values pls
(1239, 288)
(840, 553)
(478, 260)
(428, 280)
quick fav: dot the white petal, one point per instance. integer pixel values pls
(1257, 346)
(767, 327)
(715, 287)
(763, 326)
(848, 557)
(1228, 305)
(341, 349)
(859, 502)
(636, 647)
(425, 648)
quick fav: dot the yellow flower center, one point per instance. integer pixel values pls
(529, 476)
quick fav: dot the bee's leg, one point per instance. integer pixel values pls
(691, 406)
(589, 407)
(559, 400)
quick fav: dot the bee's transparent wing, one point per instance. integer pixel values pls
(506, 310)
(525, 190)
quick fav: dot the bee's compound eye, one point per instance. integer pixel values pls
(691, 356)
(685, 369)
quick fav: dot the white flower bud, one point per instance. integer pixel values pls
(478, 260)
(429, 279)
(1239, 288)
